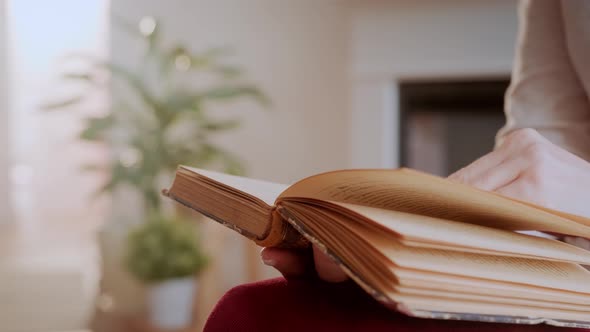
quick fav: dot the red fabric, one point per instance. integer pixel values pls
(312, 305)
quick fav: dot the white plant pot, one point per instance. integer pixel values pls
(171, 303)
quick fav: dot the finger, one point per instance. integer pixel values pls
(510, 146)
(517, 189)
(502, 175)
(326, 268)
(291, 263)
(470, 173)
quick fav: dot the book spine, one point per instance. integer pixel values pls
(282, 234)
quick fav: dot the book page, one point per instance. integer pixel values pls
(242, 204)
(422, 231)
(459, 284)
(491, 298)
(335, 232)
(540, 273)
(367, 261)
(414, 192)
(359, 259)
(266, 191)
(556, 275)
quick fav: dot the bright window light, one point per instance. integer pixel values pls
(46, 180)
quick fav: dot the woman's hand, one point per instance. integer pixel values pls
(528, 167)
(301, 263)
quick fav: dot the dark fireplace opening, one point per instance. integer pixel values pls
(445, 125)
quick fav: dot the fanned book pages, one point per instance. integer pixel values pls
(420, 244)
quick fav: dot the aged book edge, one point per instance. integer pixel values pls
(209, 215)
(492, 318)
(280, 234)
(421, 313)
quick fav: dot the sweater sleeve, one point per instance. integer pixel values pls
(545, 92)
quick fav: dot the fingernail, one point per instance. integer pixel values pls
(267, 260)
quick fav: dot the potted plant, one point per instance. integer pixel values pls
(158, 117)
(164, 253)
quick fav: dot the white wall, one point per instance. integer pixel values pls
(429, 39)
(296, 50)
(433, 38)
(5, 211)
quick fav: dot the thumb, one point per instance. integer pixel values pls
(291, 263)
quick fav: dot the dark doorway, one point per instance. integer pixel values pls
(445, 125)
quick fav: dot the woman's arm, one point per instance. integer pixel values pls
(550, 169)
(545, 93)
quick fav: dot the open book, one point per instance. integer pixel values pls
(420, 244)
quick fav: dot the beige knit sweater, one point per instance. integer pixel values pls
(550, 88)
(550, 85)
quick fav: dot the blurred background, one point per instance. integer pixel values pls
(100, 100)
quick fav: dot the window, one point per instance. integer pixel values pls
(46, 184)
(439, 120)
(5, 212)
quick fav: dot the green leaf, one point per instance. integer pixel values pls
(216, 52)
(67, 103)
(233, 165)
(107, 187)
(228, 92)
(168, 58)
(182, 101)
(206, 60)
(141, 89)
(85, 77)
(96, 128)
(221, 125)
(135, 82)
(228, 72)
(154, 38)
(78, 76)
(94, 168)
(121, 174)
